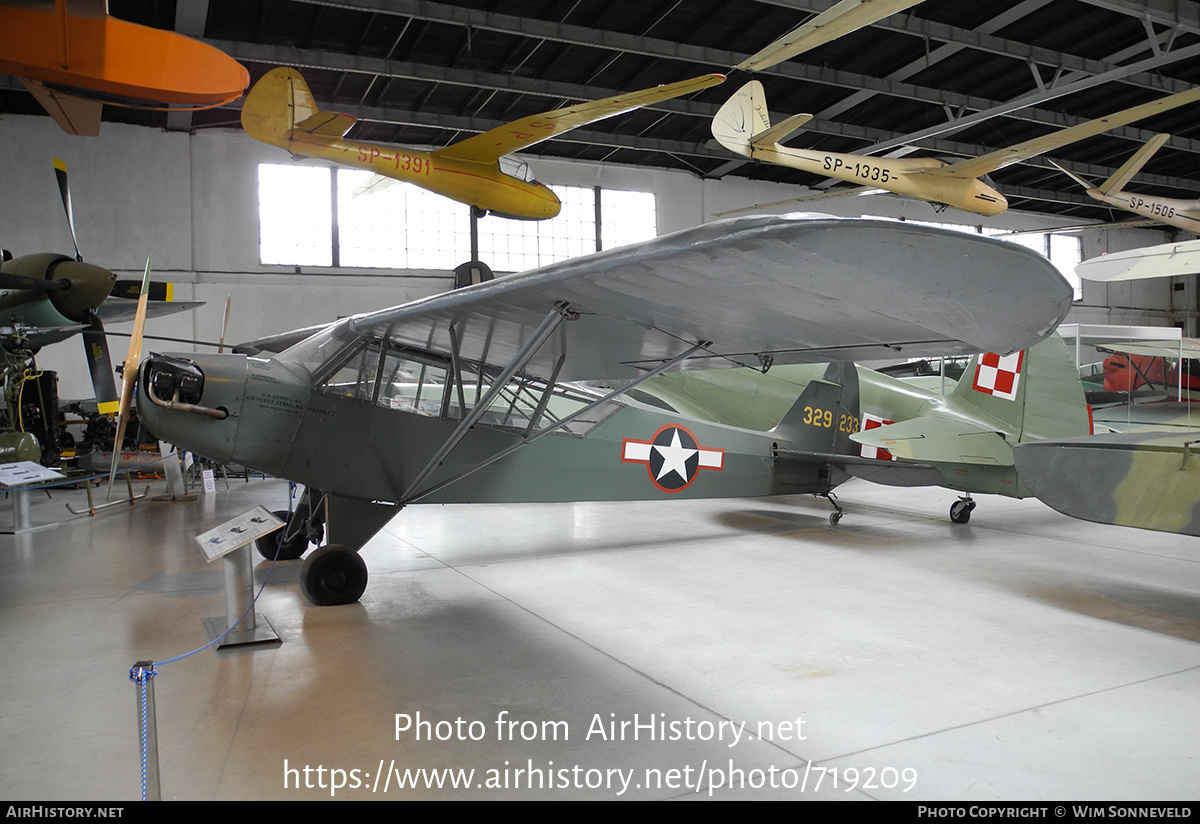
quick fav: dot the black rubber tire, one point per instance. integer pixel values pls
(290, 550)
(960, 512)
(333, 575)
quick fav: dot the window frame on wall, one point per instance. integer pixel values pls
(409, 228)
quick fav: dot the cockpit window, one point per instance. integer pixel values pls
(379, 372)
(513, 167)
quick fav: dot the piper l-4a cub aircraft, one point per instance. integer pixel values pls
(280, 110)
(476, 395)
(743, 126)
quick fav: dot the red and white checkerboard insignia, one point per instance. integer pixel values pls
(999, 376)
(870, 421)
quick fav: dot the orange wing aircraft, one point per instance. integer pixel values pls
(74, 58)
(280, 110)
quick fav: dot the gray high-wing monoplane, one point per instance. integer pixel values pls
(479, 395)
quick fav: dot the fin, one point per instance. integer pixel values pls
(825, 415)
(1032, 394)
(742, 117)
(1133, 165)
(279, 102)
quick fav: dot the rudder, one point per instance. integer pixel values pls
(279, 101)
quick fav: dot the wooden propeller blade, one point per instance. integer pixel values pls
(129, 375)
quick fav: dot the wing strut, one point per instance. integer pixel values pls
(410, 498)
(554, 317)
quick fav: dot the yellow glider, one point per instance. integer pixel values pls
(743, 126)
(280, 110)
(1183, 214)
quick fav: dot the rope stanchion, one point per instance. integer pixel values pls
(142, 675)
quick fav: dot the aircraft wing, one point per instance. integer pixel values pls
(761, 289)
(119, 310)
(842, 19)
(990, 162)
(1158, 415)
(844, 191)
(939, 440)
(1165, 260)
(512, 137)
(1189, 348)
(1147, 480)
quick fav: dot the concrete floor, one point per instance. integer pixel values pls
(1023, 656)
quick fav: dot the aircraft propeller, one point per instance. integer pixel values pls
(129, 375)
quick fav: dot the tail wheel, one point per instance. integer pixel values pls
(960, 510)
(333, 575)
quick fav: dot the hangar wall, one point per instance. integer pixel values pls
(190, 201)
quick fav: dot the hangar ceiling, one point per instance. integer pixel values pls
(948, 77)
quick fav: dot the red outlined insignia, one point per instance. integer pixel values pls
(673, 457)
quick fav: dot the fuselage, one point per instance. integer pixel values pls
(481, 185)
(910, 177)
(270, 416)
(1183, 214)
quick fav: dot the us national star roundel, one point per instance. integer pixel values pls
(672, 457)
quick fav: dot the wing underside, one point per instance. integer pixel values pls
(749, 291)
(520, 134)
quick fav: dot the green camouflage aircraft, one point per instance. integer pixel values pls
(1148, 480)
(481, 394)
(961, 439)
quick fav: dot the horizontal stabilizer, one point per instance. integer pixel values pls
(327, 124)
(780, 131)
(1133, 165)
(1084, 182)
(939, 440)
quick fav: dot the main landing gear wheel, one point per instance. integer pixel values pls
(333, 575)
(279, 545)
(960, 510)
